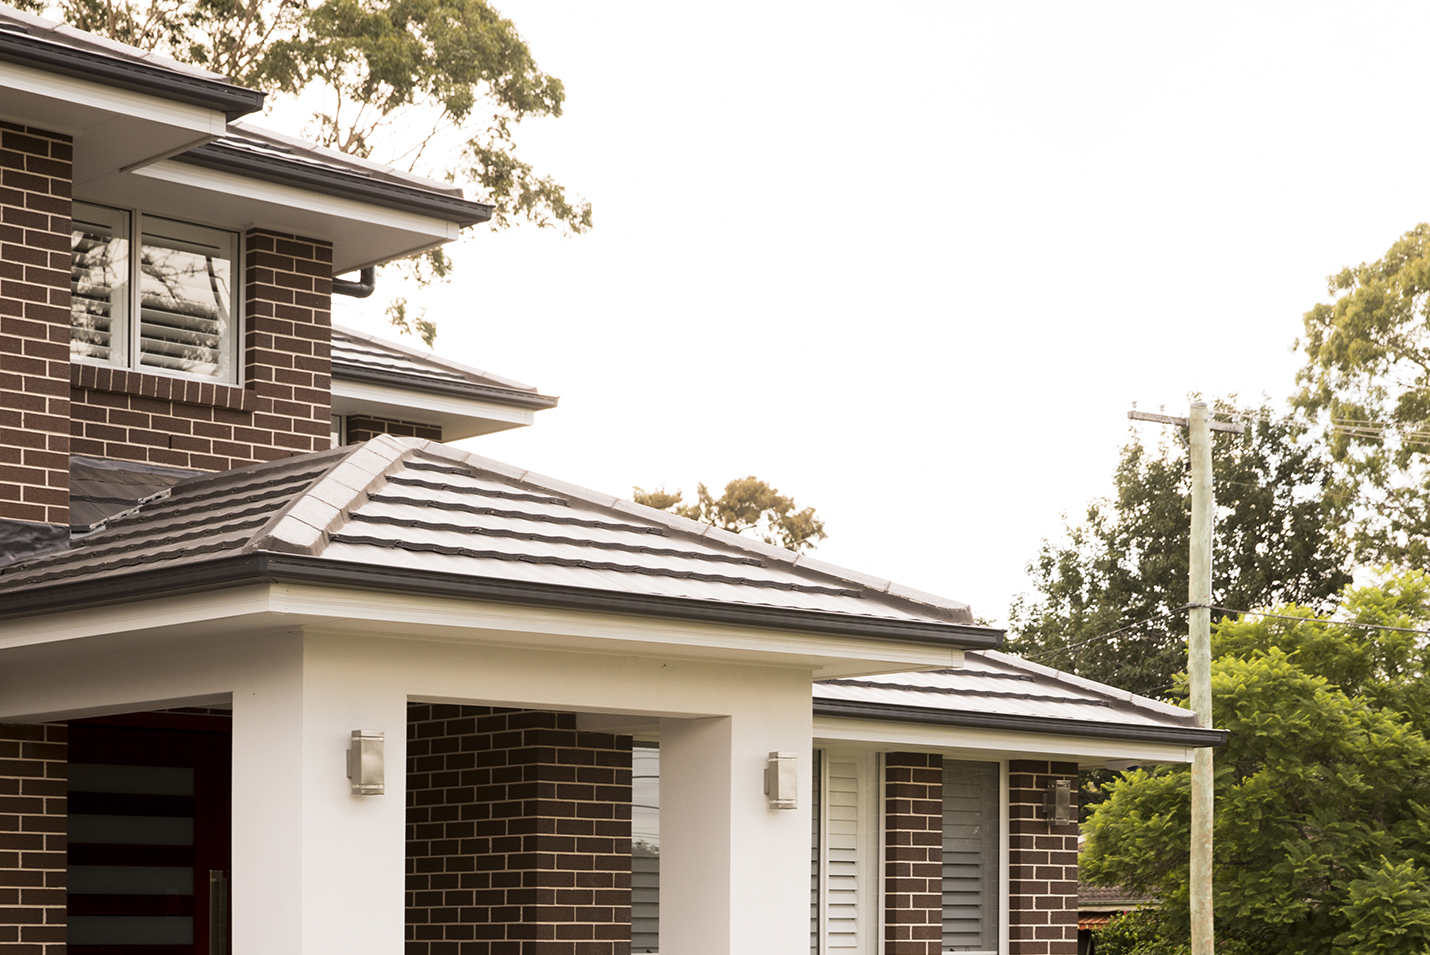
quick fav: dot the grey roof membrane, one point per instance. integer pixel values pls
(998, 685)
(101, 488)
(361, 356)
(430, 509)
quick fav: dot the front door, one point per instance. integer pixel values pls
(149, 835)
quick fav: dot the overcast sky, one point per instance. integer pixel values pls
(912, 263)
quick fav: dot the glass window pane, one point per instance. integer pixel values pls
(130, 880)
(94, 828)
(130, 930)
(99, 284)
(186, 298)
(971, 824)
(150, 780)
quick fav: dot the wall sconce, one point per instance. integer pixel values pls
(365, 762)
(1057, 802)
(781, 781)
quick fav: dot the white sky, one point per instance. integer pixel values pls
(911, 263)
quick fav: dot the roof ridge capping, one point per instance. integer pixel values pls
(305, 523)
(1092, 686)
(952, 611)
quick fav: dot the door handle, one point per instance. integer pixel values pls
(218, 912)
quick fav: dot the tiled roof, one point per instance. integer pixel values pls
(65, 35)
(248, 137)
(431, 510)
(995, 688)
(362, 357)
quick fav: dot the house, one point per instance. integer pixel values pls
(281, 671)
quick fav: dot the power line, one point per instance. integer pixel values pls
(1110, 633)
(1225, 610)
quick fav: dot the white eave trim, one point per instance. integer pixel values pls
(290, 197)
(424, 617)
(414, 402)
(118, 103)
(979, 743)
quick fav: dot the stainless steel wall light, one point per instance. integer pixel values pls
(1058, 802)
(365, 762)
(782, 781)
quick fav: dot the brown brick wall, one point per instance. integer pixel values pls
(35, 179)
(913, 854)
(281, 409)
(518, 834)
(32, 839)
(1042, 863)
(366, 427)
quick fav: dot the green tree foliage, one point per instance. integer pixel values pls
(1367, 382)
(1276, 542)
(434, 86)
(748, 504)
(1322, 830)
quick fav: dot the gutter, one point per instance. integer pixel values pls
(17, 45)
(266, 567)
(338, 182)
(506, 396)
(1181, 736)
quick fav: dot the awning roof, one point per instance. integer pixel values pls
(994, 690)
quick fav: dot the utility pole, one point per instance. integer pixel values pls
(1199, 658)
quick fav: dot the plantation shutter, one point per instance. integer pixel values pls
(814, 803)
(843, 904)
(186, 298)
(970, 856)
(99, 283)
(645, 848)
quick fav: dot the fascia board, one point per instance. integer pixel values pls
(402, 401)
(976, 744)
(289, 197)
(263, 606)
(111, 101)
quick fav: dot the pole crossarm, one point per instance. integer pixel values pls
(1227, 426)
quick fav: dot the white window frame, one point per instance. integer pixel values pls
(231, 351)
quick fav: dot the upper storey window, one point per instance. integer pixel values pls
(169, 310)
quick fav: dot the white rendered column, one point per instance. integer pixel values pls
(266, 882)
(734, 874)
(315, 868)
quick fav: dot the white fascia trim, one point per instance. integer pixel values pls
(425, 617)
(291, 197)
(118, 102)
(420, 401)
(984, 744)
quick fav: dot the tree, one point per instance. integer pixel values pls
(1322, 832)
(433, 86)
(1366, 381)
(748, 504)
(1124, 568)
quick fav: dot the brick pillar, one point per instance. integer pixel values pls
(35, 178)
(32, 839)
(518, 834)
(1042, 862)
(288, 349)
(913, 854)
